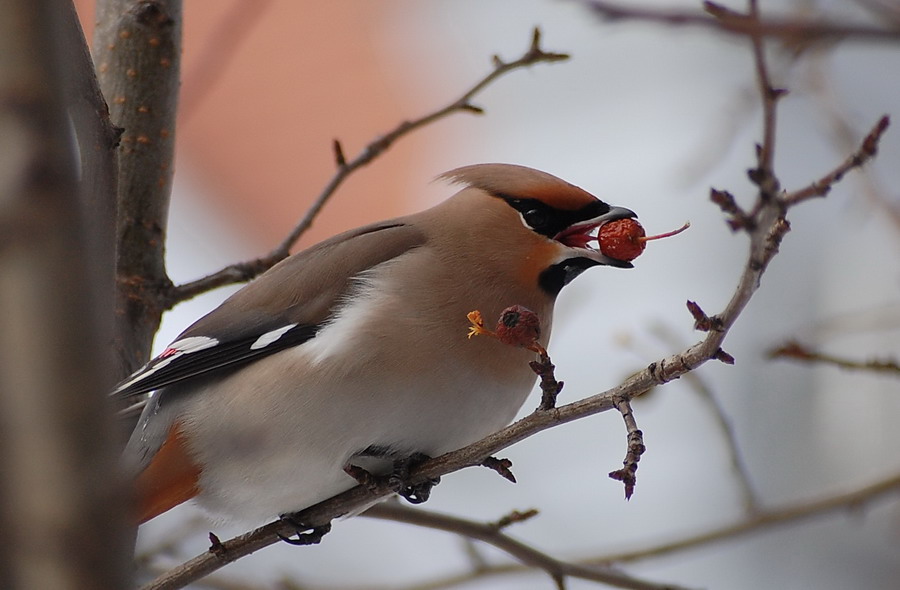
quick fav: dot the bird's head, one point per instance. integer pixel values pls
(544, 221)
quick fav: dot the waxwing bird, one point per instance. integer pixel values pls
(356, 350)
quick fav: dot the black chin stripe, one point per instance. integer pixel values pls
(562, 273)
(549, 221)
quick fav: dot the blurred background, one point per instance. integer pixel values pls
(646, 116)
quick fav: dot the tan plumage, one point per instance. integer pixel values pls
(356, 349)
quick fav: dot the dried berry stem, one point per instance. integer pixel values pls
(667, 234)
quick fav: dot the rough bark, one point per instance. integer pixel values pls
(137, 54)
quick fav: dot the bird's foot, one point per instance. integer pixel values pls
(306, 535)
(399, 479)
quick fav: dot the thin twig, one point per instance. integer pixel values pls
(514, 517)
(550, 387)
(245, 271)
(788, 30)
(628, 474)
(863, 154)
(793, 350)
(764, 174)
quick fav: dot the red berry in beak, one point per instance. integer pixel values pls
(625, 239)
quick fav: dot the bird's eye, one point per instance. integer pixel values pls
(536, 218)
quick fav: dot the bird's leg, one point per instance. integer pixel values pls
(306, 535)
(399, 479)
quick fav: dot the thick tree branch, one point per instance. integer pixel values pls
(137, 53)
(97, 139)
(61, 510)
(245, 271)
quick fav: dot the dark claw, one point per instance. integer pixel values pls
(306, 535)
(399, 478)
(416, 494)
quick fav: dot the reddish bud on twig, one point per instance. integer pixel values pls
(215, 545)
(724, 357)
(339, 157)
(501, 466)
(703, 322)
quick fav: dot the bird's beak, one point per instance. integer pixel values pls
(578, 236)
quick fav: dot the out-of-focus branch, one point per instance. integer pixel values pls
(759, 523)
(795, 32)
(61, 508)
(884, 10)
(97, 139)
(764, 175)
(492, 534)
(137, 52)
(765, 520)
(795, 351)
(245, 271)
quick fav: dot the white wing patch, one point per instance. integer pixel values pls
(172, 352)
(190, 344)
(270, 337)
